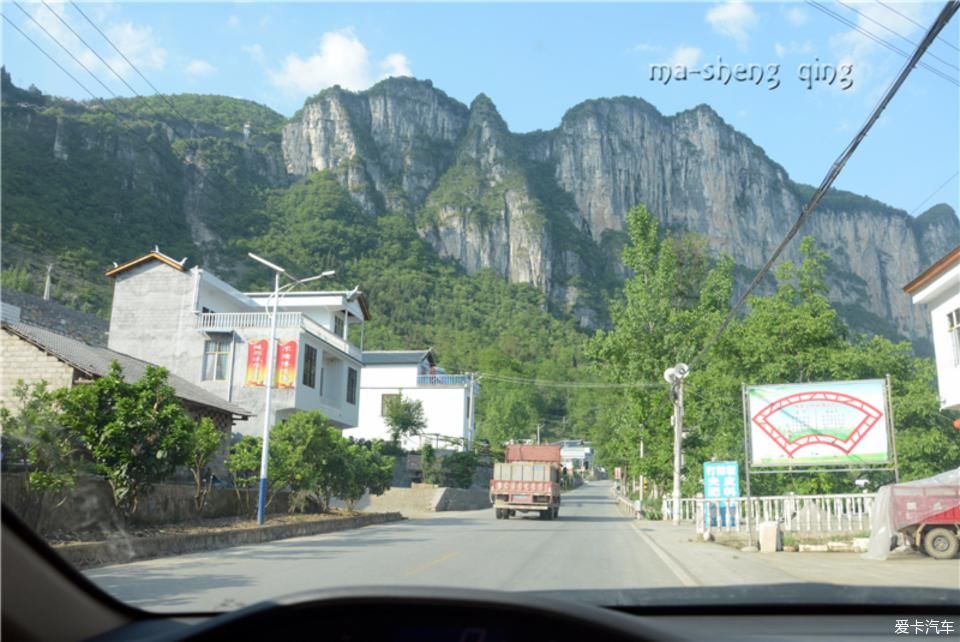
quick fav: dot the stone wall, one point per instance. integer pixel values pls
(89, 507)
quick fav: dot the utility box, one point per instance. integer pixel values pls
(770, 537)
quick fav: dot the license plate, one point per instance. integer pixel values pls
(521, 498)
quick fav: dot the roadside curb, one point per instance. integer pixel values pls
(89, 555)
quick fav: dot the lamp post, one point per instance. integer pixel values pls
(675, 376)
(278, 292)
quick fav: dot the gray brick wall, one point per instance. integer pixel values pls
(22, 360)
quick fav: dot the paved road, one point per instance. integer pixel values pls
(591, 546)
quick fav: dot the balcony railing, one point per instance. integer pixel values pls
(228, 321)
(443, 380)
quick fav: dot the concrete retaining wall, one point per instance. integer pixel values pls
(121, 550)
(462, 499)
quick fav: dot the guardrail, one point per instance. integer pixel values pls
(796, 513)
(228, 321)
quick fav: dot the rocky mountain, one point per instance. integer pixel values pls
(545, 208)
(540, 207)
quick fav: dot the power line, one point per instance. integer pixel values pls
(896, 33)
(949, 9)
(934, 193)
(52, 59)
(906, 17)
(568, 384)
(880, 41)
(64, 47)
(80, 38)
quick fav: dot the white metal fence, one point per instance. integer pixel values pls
(796, 513)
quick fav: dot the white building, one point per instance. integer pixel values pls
(939, 289)
(576, 454)
(217, 337)
(447, 398)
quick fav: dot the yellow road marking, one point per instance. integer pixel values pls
(434, 562)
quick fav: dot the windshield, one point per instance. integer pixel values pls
(591, 298)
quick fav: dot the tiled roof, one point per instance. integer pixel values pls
(396, 357)
(95, 361)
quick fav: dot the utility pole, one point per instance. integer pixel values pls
(538, 432)
(46, 283)
(675, 376)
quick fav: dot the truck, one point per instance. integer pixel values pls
(528, 481)
(929, 518)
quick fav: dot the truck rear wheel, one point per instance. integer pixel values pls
(941, 543)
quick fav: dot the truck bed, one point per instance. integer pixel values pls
(925, 505)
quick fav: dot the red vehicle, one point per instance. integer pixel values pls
(529, 481)
(929, 516)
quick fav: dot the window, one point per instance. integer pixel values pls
(338, 325)
(216, 354)
(207, 310)
(310, 366)
(384, 400)
(351, 386)
(953, 327)
(320, 387)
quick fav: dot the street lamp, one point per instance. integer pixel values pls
(278, 292)
(675, 376)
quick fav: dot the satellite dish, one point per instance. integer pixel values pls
(670, 374)
(682, 369)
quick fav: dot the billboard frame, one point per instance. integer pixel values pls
(806, 468)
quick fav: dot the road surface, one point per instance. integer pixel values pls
(591, 546)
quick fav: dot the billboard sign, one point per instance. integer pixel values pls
(833, 423)
(721, 479)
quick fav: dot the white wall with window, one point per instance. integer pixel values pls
(938, 288)
(413, 374)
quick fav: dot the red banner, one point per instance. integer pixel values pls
(286, 364)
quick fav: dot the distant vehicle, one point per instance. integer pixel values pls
(529, 481)
(929, 517)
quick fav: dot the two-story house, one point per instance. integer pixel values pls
(447, 399)
(939, 289)
(209, 333)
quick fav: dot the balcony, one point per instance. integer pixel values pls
(443, 380)
(231, 321)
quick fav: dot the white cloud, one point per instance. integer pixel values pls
(796, 16)
(793, 47)
(871, 62)
(733, 19)
(200, 68)
(255, 51)
(342, 59)
(233, 22)
(684, 56)
(395, 64)
(138, 43)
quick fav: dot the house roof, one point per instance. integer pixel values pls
(95, 361)
(952, 257)
(397, 357)
(155, 255)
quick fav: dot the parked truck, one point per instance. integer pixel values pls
(528, 481)
(929, 517)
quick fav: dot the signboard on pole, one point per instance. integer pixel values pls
(721, 479)
(833, 423)
(617, 472)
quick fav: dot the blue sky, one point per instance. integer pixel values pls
(535, 61)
